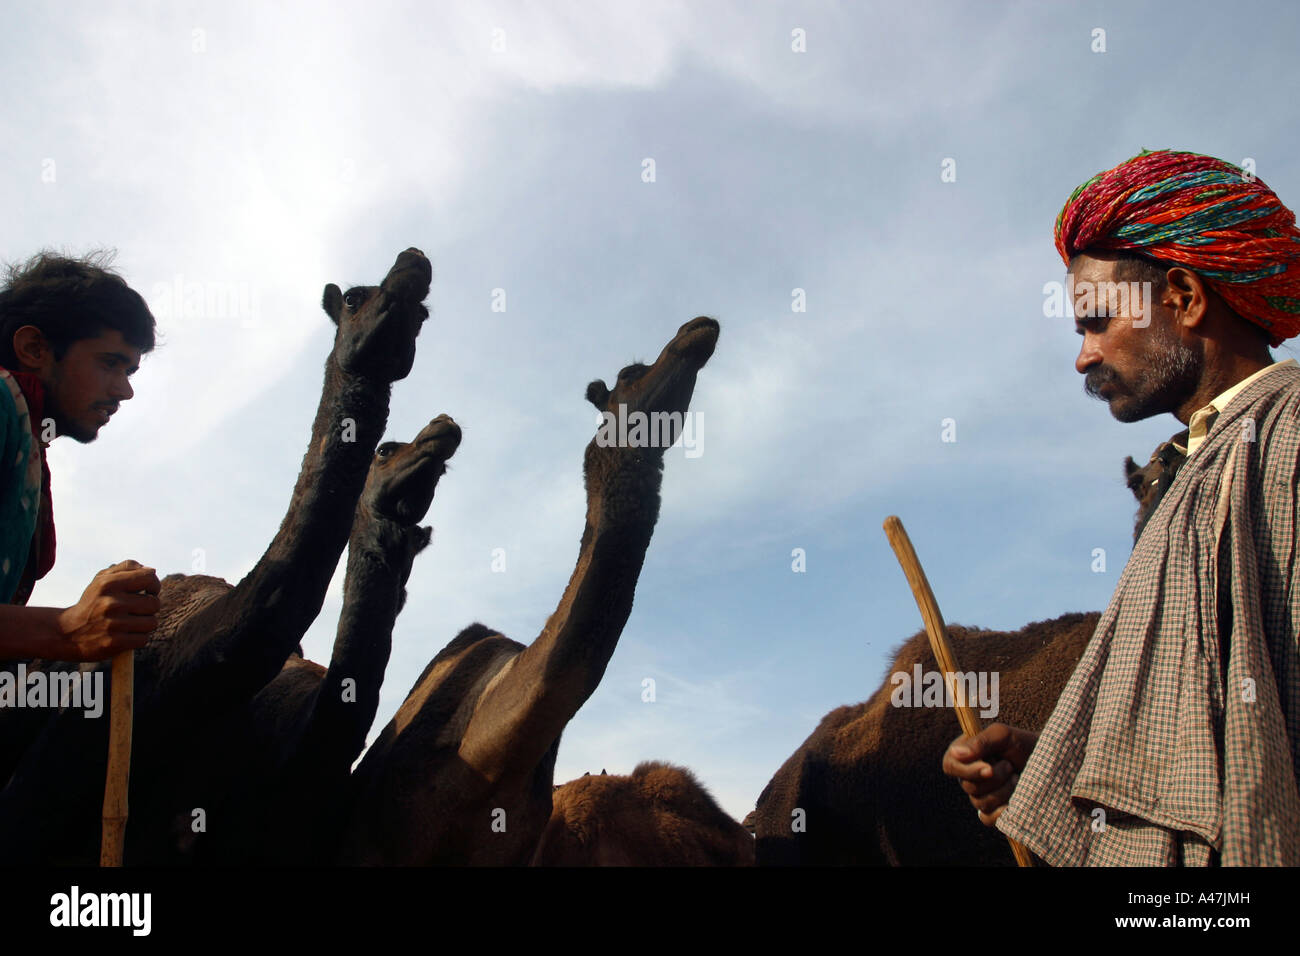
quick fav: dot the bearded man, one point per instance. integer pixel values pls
(1177, 739)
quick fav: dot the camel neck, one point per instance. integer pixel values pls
(276, 601)
(350, 420)
(584, 629)
(526, 711)
(349, 694)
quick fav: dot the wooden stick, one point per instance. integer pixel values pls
(934, 626)
(119, 759)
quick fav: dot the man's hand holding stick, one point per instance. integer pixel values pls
(1005, 740)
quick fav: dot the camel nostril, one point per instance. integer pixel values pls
(697, 337)
(699, 322)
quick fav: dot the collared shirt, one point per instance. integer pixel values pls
(1203, 418)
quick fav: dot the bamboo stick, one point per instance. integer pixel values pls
(938, 632)
(119, 759)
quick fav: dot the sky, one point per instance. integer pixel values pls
(901, 164)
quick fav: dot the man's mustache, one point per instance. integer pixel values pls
(1098, 378)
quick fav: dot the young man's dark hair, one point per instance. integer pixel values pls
(70, 299)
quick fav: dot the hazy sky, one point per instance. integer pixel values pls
(256, 153)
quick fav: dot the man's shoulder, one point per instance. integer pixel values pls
(1281, 370)
(1282, 375)
(1271, 419)
(1276, 394)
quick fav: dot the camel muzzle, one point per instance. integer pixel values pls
(410, 276)
(696, 340)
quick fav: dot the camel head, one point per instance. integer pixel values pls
(399, 489)
(642, 415)
(1150, 482)
(403, 475)
(667, 385)
(377, 325)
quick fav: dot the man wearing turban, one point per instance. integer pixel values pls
(1177, 739)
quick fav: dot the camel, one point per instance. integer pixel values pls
(659, 816)
(216, 645)
(1150, 482)
(463, 772)
(867, 786)
(272, 782)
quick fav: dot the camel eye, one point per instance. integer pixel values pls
(386, 449)
(632, 373)
(352, 299)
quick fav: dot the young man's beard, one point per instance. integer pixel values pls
(73, 431)
(65, 426)
(1172, 373)
(78, 434)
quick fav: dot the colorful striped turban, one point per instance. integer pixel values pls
(1200, 213)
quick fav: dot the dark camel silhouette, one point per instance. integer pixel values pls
(1150, 482)
(659, 816)
(272, 783)
(216, 646)
(867, 786)
(463, 773)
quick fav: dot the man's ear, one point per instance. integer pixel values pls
(32, 348)
(1187, 294)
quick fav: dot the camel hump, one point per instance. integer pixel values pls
(663, 780)
(300, 663)
(182, 596)
(465, 639)
(183, 584)
(471, 635)
(659, 815)
(652, 781)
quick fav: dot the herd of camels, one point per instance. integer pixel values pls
(244, 751)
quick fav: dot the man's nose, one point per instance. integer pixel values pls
(1089, 354)
(122, 389)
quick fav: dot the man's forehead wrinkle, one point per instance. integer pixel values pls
(1095, 270)
(1088, 279)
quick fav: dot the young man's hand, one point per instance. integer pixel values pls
(988, 766)
(118, 612)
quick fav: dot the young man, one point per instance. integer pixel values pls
(1177, 739)
(71, 334)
